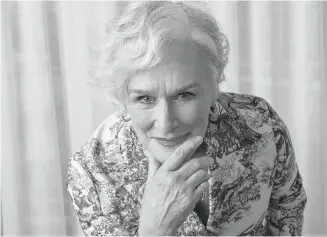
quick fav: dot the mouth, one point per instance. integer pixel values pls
(172, 142)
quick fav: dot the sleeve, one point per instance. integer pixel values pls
(87, 206)
(288, 197)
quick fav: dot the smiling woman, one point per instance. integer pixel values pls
(171, 102)
(181, 157)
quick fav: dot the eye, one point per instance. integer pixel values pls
(185, 95)
(145, 99)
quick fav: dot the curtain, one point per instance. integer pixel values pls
(48, 110)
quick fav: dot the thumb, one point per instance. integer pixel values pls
(154, 165)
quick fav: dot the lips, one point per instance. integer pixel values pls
(172, 142)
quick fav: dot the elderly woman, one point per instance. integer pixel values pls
(181, 157)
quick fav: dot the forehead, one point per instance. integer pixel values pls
(181, 63)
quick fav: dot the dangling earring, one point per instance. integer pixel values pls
(214, 109)
(125, 116)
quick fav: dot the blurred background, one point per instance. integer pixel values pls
(48, 110)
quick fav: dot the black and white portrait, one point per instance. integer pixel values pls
(174, 118)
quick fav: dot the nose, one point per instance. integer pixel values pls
(166, 120)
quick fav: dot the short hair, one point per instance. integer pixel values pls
(135, 42)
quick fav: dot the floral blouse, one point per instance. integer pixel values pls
(255, 185)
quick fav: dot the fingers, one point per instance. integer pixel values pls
(154, 164)
(177, 158)
(198, 177)
(203, 187)
(194, 165)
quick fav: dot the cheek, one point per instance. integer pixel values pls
(141, 121)
(195, 115)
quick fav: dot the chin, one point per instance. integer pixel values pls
(162, 154)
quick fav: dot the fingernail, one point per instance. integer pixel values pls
(198, 140)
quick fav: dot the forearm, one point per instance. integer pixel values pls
(287, 219)
(286, 209)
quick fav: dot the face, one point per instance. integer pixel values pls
(171, 103)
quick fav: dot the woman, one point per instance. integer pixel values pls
(181, 157)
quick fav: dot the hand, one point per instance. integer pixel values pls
(173, 189)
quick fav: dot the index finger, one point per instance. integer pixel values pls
(177, 158)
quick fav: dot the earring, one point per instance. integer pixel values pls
(214, 109)
(125, 116)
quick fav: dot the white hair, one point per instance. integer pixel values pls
(136, 40)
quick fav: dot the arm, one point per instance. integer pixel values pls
(87, 205)
(288, 197)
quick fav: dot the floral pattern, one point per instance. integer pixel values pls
(255, 185)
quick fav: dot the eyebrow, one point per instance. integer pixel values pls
(179, 90)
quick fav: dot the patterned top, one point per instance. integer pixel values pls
(255, 185)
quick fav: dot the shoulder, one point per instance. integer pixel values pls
(240, 120)
(260, 117)
(235, 101)
(106, 133)
(112, 146)
(254, 110)
(112, 151)
(111, 129)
